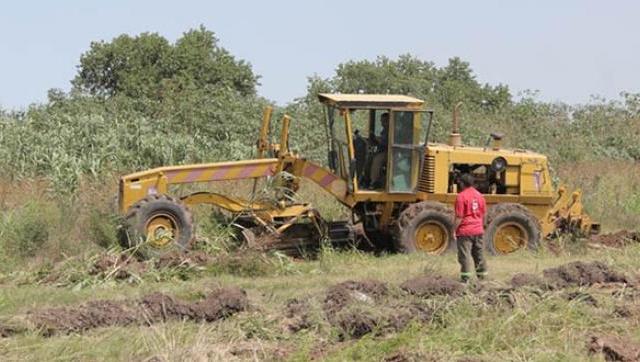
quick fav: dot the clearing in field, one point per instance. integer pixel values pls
(343, 305)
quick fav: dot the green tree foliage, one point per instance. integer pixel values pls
(409, 75)
(148, 66)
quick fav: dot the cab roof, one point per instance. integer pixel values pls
(370, 100)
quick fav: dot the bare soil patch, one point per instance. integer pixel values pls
(153, 308)
(341, 295)
(614, 348)
(628, 311)
(178, 259)
(118, 266)
(297, 315)
(432, 285)
(358, 308)
(618, 239)
(528, 280)
(582, 274)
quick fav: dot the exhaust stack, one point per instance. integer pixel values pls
(455, 138)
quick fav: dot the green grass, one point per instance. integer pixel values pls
(539, 328)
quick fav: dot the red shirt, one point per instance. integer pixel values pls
(470, 209)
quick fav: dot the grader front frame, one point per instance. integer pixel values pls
(145, 193)
(410, 210)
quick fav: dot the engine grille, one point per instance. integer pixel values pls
(427, 182)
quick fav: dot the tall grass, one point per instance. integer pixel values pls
(610, 190)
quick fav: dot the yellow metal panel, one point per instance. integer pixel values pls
(284, 136)
(133, 190)
(237, 205)
(323, 177)
(512, 176)
(136, 186)
(263, 140)
(385, 218)
(374, 98)
(352, 151)
(381, 196)
(509, 154)
(441, 172)
(531, 178)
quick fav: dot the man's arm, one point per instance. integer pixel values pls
(458, 212)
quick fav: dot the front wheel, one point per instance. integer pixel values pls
(511, 227)
(158, 224)
(425, 227)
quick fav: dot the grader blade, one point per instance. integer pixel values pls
(568, 216)
(299, 236)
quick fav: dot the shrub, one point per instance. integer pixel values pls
(103, 228)
(25, 230)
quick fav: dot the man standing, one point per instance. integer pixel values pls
(469, 221)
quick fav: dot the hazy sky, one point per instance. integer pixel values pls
(568, 50)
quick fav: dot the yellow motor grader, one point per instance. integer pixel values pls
(399, 186)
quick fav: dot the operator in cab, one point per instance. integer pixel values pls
(470, 208)
(380, 158)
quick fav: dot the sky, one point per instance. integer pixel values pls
(567, 50)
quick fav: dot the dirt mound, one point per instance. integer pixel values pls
(614, 348)
(431, 285)
(217, 305)
(179, 259)
(151, 309)
(401, 315)
(297, 315)
(357, 323)
(370, 287)
(528, 280)
(357, 320)
(582, 274)
(357, 308)
(340, 295)
(618, 239)
(118, 266)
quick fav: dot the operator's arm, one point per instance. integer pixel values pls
(459, 212)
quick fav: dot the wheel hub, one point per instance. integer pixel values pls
(510, 237)
(432, 237)
(161, 230)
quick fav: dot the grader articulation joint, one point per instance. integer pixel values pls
(381, 138)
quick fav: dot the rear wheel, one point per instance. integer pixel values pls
(158, 224)
(511, 227)
(425, 227)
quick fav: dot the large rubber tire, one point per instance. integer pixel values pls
(425, 226)
(158, 224)
(510, 227)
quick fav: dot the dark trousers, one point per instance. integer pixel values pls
(470, 254)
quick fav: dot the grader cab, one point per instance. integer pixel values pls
(381, 165)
